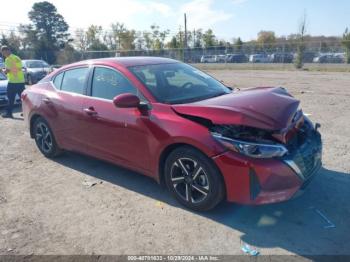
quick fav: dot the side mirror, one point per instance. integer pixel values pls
(126, 101)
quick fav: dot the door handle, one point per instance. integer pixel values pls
(47, 101)
(90, 111)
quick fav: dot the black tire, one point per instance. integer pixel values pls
(44, 139)
(193, 179)
(30, 80)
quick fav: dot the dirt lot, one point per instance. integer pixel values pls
(46, 209)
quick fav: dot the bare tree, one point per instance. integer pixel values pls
(81, 40)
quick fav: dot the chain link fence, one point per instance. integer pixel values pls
(281, 53)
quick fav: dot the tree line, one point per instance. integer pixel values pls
(47, 37)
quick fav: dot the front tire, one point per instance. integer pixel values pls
(193, 179)
(45, 139)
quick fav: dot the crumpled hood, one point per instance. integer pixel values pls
(270, 108)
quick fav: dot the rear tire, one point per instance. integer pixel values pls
(193, 179)
(44, 139)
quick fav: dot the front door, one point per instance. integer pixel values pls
(111, 133)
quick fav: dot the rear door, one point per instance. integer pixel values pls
(65, 106)
(115, 134)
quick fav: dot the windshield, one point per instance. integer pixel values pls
(36, 64)
(178, 83)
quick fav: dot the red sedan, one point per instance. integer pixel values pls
(178, 125)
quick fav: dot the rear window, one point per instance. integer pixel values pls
(58, 80)
(74, 80)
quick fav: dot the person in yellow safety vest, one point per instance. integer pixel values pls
(15, 76)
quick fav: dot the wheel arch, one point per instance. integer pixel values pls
(170, 148)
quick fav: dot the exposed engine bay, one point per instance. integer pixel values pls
(249, 134)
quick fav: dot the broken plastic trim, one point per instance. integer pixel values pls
(199, 120)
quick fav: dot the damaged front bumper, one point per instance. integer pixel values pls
(264, 181)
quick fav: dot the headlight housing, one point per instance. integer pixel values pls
(251, 149)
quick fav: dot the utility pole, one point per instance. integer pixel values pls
(194, 38)
(185, 44)
(185, 17)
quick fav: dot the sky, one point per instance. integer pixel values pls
(228, 18)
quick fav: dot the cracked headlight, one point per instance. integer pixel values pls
(251, 149)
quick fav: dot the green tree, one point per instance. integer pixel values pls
(346, 45)
(67, 55)
(238, 44)
(94, 38)
(266, 39)
(90, 41)
(30, 42)
(124, 38)
(158, 37)
(13, 41)
(49, 28)
(209, 38)
(198, 38)
(173, 44)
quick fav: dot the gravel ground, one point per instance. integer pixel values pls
(45, 208)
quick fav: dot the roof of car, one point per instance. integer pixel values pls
(130, 61)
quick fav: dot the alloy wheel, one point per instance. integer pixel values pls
(189, 180)
(43, 137)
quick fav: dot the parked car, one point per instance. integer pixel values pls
(35, 70)
(208, 59)
(329, 58)
(172, 122)
(236, 58)
(308, 56)
(281, 58)
(220, 58)
(259, 58)
(2, 64)
(3, 91)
